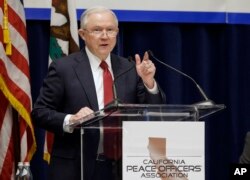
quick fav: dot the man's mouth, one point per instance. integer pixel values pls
(104, 45)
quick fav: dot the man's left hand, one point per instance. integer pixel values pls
(145, 69)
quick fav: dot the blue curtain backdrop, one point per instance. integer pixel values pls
(217, 56)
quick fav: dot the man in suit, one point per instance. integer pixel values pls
(74, 88)
(245, 156)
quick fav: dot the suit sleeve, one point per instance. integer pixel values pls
(146, 97)
(245, 157)
(47, 109)
(158, 98)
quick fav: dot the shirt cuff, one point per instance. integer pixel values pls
(66, 127)
(153, 90)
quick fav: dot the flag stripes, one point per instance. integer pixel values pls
(6, 144)
(15, 93)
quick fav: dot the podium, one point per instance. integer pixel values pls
(120, 117)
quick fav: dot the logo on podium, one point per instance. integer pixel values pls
(163, 150)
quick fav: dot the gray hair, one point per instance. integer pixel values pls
(99, 9)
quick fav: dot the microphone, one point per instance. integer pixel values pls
(207, 101)
(116, 101)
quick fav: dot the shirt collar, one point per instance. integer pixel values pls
(95, 61)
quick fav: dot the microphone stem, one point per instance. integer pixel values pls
(187, 76)
(202, 92)
(115, 93)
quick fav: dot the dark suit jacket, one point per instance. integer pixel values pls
(68, 87)
(245, 156)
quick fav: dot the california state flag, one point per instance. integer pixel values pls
(63, 41)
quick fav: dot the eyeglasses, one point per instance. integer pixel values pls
(100, 32)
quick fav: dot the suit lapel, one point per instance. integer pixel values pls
(85, 76)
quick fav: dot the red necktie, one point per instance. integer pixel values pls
(107, 83)
(112, 136)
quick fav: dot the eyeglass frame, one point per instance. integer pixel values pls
(99, 32)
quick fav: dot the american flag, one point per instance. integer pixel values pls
(63, 41)
(15, 93)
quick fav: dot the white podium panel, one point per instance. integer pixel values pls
(156, 150)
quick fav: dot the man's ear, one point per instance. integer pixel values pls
(81, 33)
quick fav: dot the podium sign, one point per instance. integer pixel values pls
(159, 141)
(163, 150)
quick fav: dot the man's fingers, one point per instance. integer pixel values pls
(84, 112)
(145, 57)
(137, 59)
(81, 114)
(88, 110)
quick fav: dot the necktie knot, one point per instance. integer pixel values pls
(104, 65)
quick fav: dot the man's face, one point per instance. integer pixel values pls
(96, 34)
